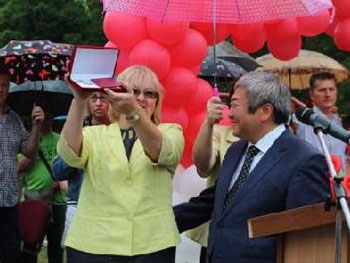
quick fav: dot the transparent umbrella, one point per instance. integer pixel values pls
(297, 72)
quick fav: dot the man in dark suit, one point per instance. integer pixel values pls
(268, 170)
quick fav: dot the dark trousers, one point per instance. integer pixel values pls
(203, 255)
(54, 234)
(162, 256)
(10, 240)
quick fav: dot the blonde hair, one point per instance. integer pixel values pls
(139, 75)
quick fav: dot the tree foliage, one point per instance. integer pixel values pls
(66, 21)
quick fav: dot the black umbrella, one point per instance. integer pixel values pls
(53, 95)
(222, 69)
(229, 62)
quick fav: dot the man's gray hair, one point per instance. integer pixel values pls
(262, 88)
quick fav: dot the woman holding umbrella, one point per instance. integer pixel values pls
(125, 207)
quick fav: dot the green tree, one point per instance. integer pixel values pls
(74, 22)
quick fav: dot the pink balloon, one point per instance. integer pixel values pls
(207, 30)
(153, 55)
(285, 48)
(175, 115)
(179, 87)
(190, 51)
(313, 25)
(166, 32)
(342, 35)
(202, 93)
(124, 30)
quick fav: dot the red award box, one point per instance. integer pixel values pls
(93, 68)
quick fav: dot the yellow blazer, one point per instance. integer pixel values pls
(222, 140)
(125, 207)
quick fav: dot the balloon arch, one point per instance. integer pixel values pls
(174, 50)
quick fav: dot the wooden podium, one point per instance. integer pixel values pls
(308, 234)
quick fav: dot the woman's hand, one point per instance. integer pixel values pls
(123, 102)
(78, 94)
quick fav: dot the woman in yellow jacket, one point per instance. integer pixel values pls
(125, 205)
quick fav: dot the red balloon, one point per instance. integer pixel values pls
(196, 70)
(342, 35)
(124, 30)
(152, 55)
(248, 37)
(202, 94)
(249, 45)
(166, 32)
(285, 48)
(285, 28)
(313, 25)
(175, 115)
(179, 87)
(186, 160)
(247, 31)
(342, 8)
(226, 121)
(207, 30)
(195, 122)
(330, 29)
(123, 60)
(190, 51)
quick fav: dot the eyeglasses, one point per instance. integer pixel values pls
(94, 98)
(148, 94)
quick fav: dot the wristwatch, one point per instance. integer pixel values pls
(135, 116)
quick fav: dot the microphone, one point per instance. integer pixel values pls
(319, 121)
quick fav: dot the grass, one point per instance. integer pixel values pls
(42, 258)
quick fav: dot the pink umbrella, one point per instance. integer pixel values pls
(227, 11)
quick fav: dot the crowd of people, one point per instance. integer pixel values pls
(107, 178)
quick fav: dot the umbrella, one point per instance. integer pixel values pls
(35, 60)
(221, 68)
(53, 95)
(297, 71)
(226, 11)
(230, 62)
(225, 50)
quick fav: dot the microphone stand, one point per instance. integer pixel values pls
(341, 202)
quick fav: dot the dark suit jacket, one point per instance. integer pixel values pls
(291, 173)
